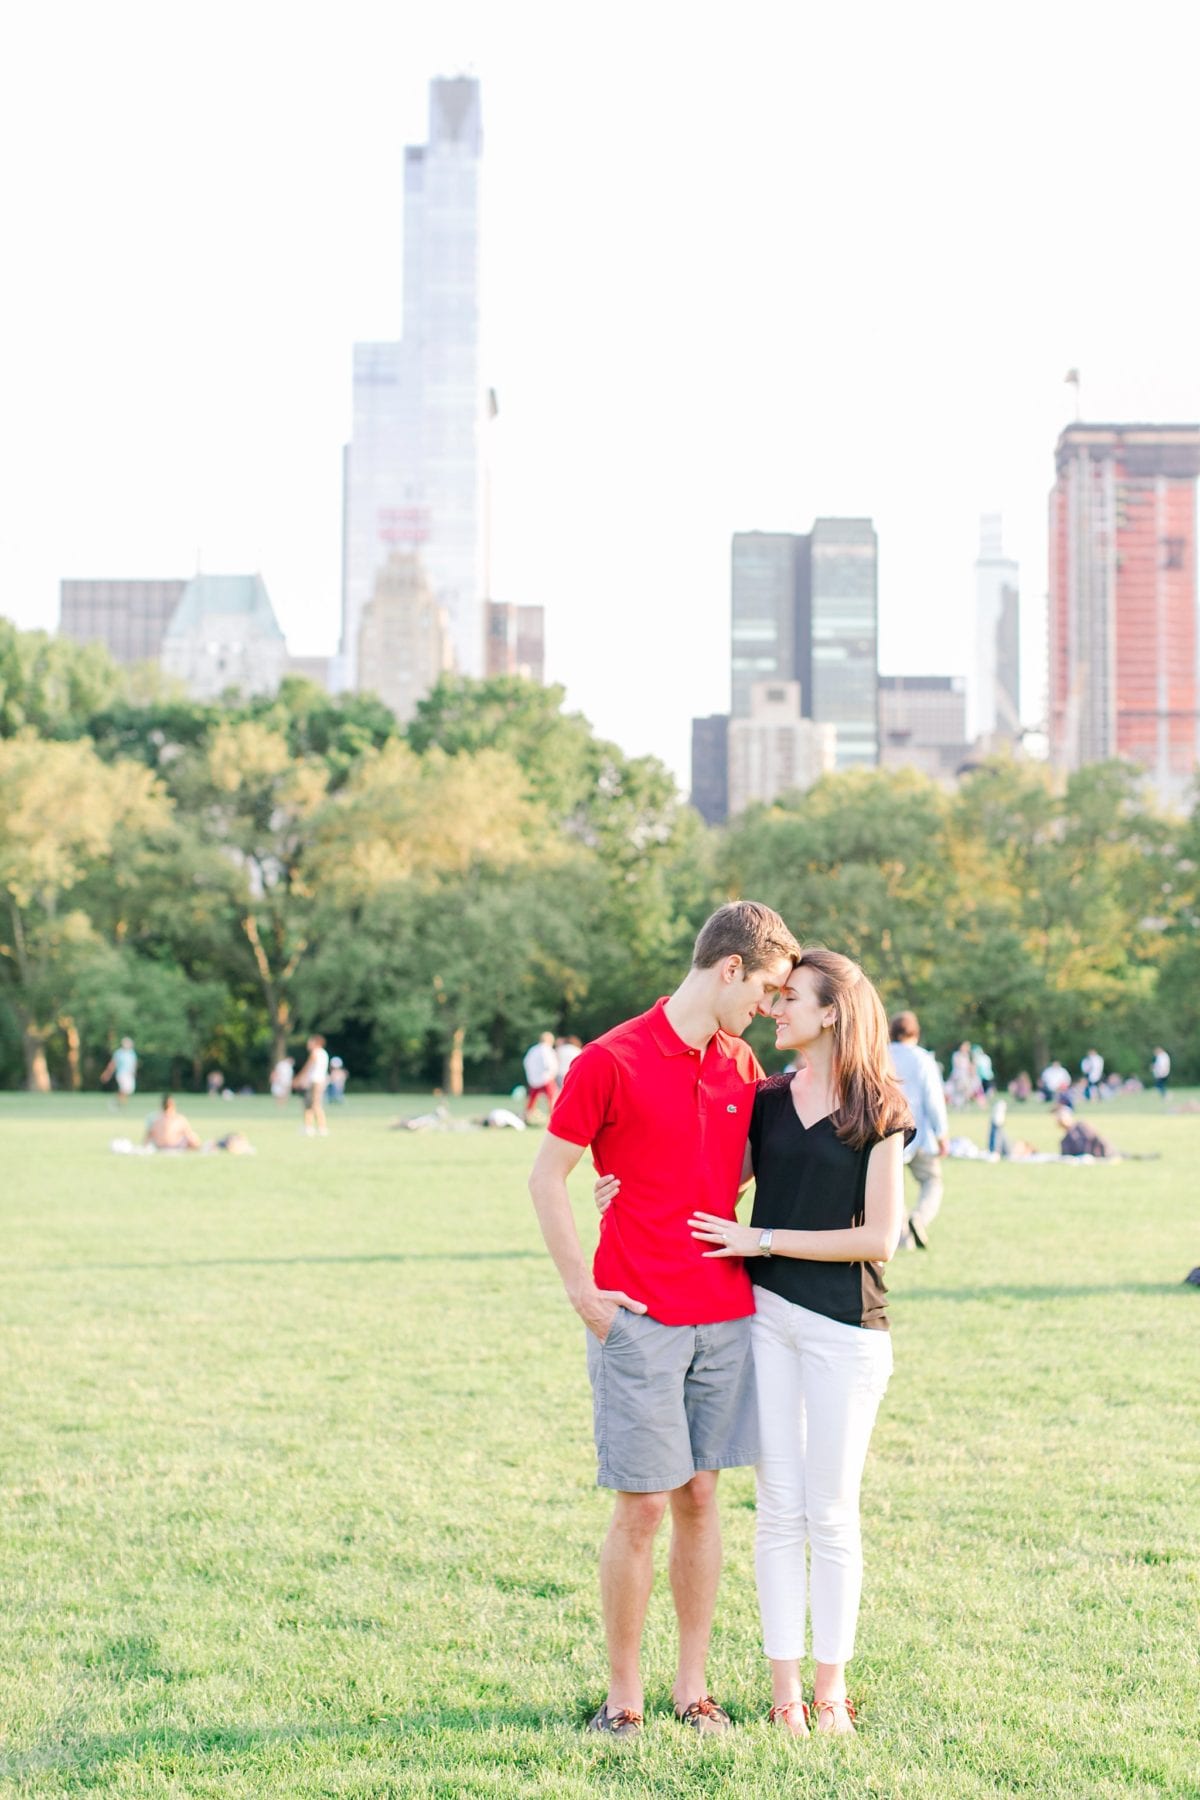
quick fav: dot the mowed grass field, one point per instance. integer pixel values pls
(298, 1482)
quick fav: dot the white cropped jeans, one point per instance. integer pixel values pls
(819, 1387)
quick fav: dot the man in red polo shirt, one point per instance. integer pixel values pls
(664, 1101)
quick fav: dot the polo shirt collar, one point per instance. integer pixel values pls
(669, 1040)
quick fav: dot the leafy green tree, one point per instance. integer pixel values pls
(173, 1016)
(157, 731)
(1055, 886)
(448, 908)
(651, 855)
(52, 685)
(858, 862)
(400, 815)
(559, 757)
(162, 725)
(467, 966)
(337, 729)
(257, 806)
(1172, 1017)
(66, 815)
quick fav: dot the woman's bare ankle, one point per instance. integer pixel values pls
(829, 1683)
(785, 1682)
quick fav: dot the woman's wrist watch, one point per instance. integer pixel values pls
(765, 1240)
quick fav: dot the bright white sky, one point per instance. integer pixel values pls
(744, 266)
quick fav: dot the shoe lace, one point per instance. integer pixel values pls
(704, 1708)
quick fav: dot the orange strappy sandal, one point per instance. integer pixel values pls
(833, 1707)
(785, 1715)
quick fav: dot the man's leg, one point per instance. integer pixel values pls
(927, 1170)
(626, 1577)
(695, 1566)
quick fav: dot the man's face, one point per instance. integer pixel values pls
(744, 996)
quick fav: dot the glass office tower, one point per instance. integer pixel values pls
(763, 570)
(843, 636)
(413, 477)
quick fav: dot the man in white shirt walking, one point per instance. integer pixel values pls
(541, 1074)
(1092, 1069)
(919, 1076)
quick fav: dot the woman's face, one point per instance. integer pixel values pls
(799, 1015)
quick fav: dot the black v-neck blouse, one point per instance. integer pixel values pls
(807, 1179)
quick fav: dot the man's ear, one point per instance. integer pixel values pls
(731, 968)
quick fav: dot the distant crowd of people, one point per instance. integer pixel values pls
(320, 1079)
(972, 1081)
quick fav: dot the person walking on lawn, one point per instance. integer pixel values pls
(919, 1076)
(666, 1099)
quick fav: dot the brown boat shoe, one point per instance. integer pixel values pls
(704, 1716)
(624, 1723)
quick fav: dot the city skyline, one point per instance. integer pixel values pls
(673, 367)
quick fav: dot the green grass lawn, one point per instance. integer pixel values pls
(298, 1482)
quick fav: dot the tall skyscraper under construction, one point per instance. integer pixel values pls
(413, 476)
(1123, 607)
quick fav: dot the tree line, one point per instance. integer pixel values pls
(219, 880)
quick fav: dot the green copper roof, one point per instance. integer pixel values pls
(209, 596)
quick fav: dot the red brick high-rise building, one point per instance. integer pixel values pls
(1123, 603)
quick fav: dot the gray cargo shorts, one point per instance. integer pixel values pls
(669, 1400)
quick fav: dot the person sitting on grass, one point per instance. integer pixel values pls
(169, 1130)
(1079, 1139)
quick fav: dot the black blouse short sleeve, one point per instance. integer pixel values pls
(807, 1179)
(756, 1121)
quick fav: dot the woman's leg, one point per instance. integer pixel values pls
(846, 1371)
(780, 1534)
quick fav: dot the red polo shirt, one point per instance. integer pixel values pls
(672, 1123)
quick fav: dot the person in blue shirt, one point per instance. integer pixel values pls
(920, 1077)
(123, 1064)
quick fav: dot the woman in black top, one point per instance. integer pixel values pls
(826, 1146)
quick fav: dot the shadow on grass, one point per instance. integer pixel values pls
(79, 1755)
(278, 1262)
(1055, 1292)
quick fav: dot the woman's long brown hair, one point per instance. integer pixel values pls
(871, 1102)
